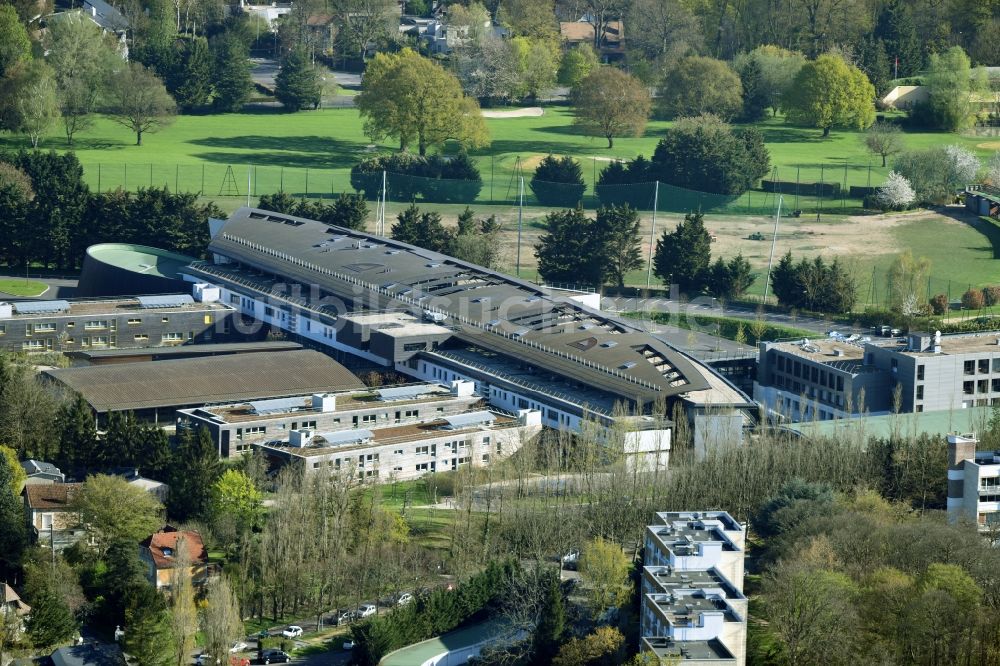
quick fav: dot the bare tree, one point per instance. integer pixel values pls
(884, 139)
(220, 621)
(183, 614)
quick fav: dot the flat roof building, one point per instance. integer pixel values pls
(439, 319)
(407, 451)
(100, 324)
(235, 427)
(156, 389)
(973, 483)
(843, 376)
(693, 607)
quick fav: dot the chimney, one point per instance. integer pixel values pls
(961, 448)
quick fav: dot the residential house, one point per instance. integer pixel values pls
(52, 519)
(41, 472)
(157, 489)
(611, 44)
(11, 605)
(160, 551)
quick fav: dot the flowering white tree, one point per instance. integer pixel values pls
(896, 193)
(961, 165)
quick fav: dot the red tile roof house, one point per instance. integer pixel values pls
(159, 553)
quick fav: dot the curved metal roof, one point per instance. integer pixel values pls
(489, 309)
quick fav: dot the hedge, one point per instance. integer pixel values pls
(435, 179)
(789, 187)
(430, 615)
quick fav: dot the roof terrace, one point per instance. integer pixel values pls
(667, 578)
(669, 649)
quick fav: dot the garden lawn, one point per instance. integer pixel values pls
(20, 287)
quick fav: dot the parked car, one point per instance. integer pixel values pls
(366, 610)
(204, 660)
(276, 657)
(349, 644)
(404, 599)
(238, 646)
(347, 617)
(571, 559)
(292, 631)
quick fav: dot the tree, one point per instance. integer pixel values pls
(349, 211)
(529, 18)
(884, 139)
(100, 503)
(297, 84)
(478, 241)
(577, 64)
(537, 65)
(558, 181)
(233, 84)
(415, 100)
(799, 602)
(972, 299)
(794, 501)
(422, 229)
(682, 256)
(778, 68)
(609, 103)
(81, 58)
(18, 475)
(121, 440)
(939, 304)
(813, 285)
(874, 62)
(828, 92)
(12, 526)
(603, 646)
(183, 612)
(705, 154)
(568, 250)
(952, 89)
(936, 174)
(220, 620)
(552, 622)
(139, 100)
(697, 85)
(728, 280)
(895, 28)
(895, 193)
(617, 232)
(191, 84)
(488, 70)
(193, 474)
(907, 279)
(756, 98)
(15, 46)
(51, 621)
(604, 569)
(670, 29)
(236, 498)
(148, 633)
(363, 22)
(28, 102)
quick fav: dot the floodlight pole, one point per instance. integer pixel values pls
(774, 240)
(249, 171)
(520, 219)
(652, 233)
(380, 218)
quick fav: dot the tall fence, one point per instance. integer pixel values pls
(806, 190)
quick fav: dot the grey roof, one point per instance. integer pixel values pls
(199, 381)
(459, 421)
(561, 336)
(189, 350)
(40, 307)
(406, 392)
(164, 301)
(38, 467)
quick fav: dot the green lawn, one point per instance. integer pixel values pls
(21, 287)
(311, 152)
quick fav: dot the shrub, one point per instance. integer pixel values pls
(895, 194)
(991, 296)
(972, 299)
(939, 304)
(629, 183)
(558, 181)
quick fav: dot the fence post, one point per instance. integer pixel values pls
(98, 177)
(177, 173)
(203, 178)
(125, 180)
(150, 174)
(307, 182)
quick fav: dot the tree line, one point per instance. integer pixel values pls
(48, 215)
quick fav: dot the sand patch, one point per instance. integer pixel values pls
(989, 145)
(529, 112)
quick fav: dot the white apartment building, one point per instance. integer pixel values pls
(973, 482)
(693, 608)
